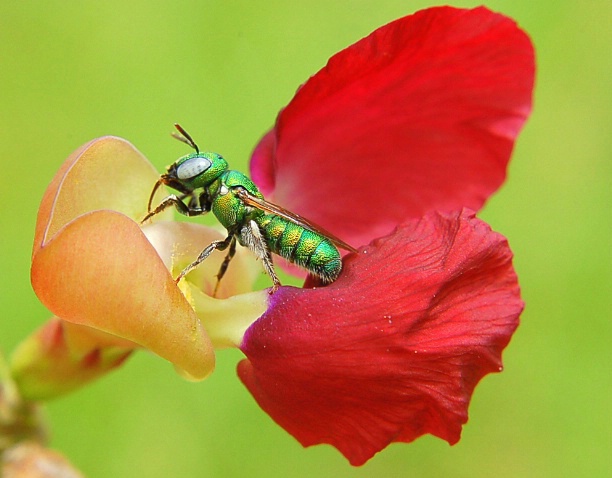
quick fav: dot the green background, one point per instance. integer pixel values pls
(71, 71)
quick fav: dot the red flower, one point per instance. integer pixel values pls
(393, 144)
(407, 126)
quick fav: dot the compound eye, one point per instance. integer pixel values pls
(192, 167)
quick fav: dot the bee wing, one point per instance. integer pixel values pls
(267, 206)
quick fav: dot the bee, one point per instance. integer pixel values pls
(205, 183)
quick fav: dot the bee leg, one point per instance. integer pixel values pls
(251, 237)
(199, 203)
(269, 267)
(226, 261)
(180, 206)
(220, 245)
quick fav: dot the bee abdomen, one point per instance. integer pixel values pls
(301, 246)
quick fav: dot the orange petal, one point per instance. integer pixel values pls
(106, 173)
(101, 271)
(83, 340)
(235, 307)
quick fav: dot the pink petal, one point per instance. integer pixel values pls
(420, 115)
(394, 348)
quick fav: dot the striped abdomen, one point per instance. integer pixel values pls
(303, 247)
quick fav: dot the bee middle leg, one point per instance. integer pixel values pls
(215, 245)
(225, 263)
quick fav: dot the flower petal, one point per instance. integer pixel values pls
(394, 348)
(106, 173)
(235, 307)
(101, 271)
(420, 115)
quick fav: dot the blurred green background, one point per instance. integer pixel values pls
(72, 71)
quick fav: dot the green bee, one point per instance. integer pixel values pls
(206, 183)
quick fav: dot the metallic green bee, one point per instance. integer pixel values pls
(206, 184)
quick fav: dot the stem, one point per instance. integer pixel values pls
(20, 419)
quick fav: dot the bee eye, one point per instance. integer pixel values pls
(192, 167)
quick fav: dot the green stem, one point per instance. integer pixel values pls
(20, 419)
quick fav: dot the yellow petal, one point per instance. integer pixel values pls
(235, 307)
(227, 320)
(101, 271)
(180, 243)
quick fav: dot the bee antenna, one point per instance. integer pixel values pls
(184, 137)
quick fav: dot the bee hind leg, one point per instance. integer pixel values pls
(251, 237)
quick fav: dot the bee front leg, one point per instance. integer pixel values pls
(180, 206)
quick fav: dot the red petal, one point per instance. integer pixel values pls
(394, 348)
(420, 115)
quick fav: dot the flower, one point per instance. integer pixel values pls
(108, 280)
(406, 127)
(392, 146)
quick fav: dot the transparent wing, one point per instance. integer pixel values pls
(269, 207)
